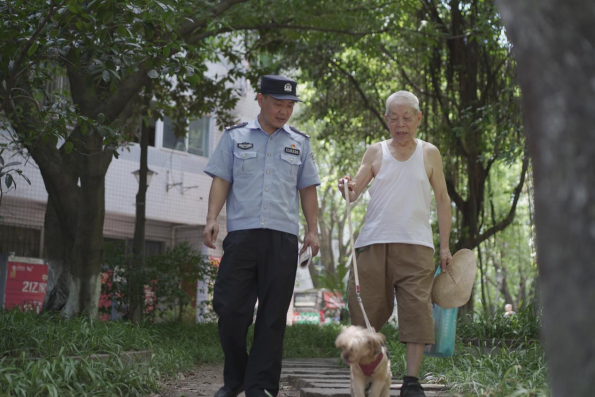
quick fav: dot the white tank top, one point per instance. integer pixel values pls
(399, 209)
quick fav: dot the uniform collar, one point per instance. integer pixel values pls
(254, 124)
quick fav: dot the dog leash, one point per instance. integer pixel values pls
(353, 256)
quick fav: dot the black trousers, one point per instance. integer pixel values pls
(257, 263)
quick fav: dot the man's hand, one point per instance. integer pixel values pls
(350, 185)
(445, 258)
(209, 234)
(311, 239)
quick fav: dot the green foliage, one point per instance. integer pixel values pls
(64, 376)
(337, 281)
(176, 347)
(455, 57)
(47, 355)
(473, 372)
(522, 326)
(47, 335)
(476, 371)
(112, 50)
(309, 340)
(165, 277)
(7, 175)
(333, 163)
(36, 353)
(507, 261)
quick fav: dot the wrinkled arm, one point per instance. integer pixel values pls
(364, 174)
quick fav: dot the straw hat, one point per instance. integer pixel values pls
(453, 287)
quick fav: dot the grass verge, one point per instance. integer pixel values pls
(36, 357)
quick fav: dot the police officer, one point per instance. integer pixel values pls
(258, 168)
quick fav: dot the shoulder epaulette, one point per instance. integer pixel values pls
(235, 126)
(299, 132)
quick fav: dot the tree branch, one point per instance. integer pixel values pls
(281, 26)
(61, 188)
(220, 9)
(456, 197)
(510, 217)
(432, 11)
(365, 99)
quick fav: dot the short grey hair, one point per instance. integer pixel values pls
(405, 96)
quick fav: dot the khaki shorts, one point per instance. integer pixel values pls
(404, 269)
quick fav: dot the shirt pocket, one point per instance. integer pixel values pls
(289, 166)
(244, 163)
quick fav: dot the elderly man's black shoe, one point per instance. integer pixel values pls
(227, 392)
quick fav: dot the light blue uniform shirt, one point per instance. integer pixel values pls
(266, 172)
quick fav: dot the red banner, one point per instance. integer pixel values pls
(26, 285)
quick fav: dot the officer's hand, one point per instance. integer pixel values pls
(311, 239)
(209, 234)
(445, 258)
(350, 185)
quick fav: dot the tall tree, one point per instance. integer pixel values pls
(454, 56)
(554, 44)
(108, 51)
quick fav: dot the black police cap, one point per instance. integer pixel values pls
(279, 87)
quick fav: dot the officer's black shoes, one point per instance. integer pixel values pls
(411, 388)
(227, 392)
(258, 393)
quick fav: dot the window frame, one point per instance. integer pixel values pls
(160, 134)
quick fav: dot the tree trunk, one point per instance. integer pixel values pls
(88, 246)
(553, 44)
(138, 248)
(56, 254)
(74, 222)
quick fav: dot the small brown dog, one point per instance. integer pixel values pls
(366, 354)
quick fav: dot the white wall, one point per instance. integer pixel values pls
(182, 204)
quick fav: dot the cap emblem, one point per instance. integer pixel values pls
(287, 87)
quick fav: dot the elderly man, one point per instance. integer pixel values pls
(395, 247)
(259, 168)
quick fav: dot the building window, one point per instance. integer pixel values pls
(195, 141)
(198, 137)
(170, 140)
(21, 241)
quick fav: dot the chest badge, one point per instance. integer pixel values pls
(292, 150)
(245, 145)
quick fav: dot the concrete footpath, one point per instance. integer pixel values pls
(324, 377)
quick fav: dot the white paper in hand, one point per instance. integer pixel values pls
(305, 258)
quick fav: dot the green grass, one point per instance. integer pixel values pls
(64, 376)
(45, 336)
(306, 340)
(36, 353)
(36, 356)
(473, 372)
(522, 326)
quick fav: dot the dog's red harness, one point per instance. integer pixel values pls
(368, 369)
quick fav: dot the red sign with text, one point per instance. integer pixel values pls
(26, 284)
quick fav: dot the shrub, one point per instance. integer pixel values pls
(523, 325)
(165, 277)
